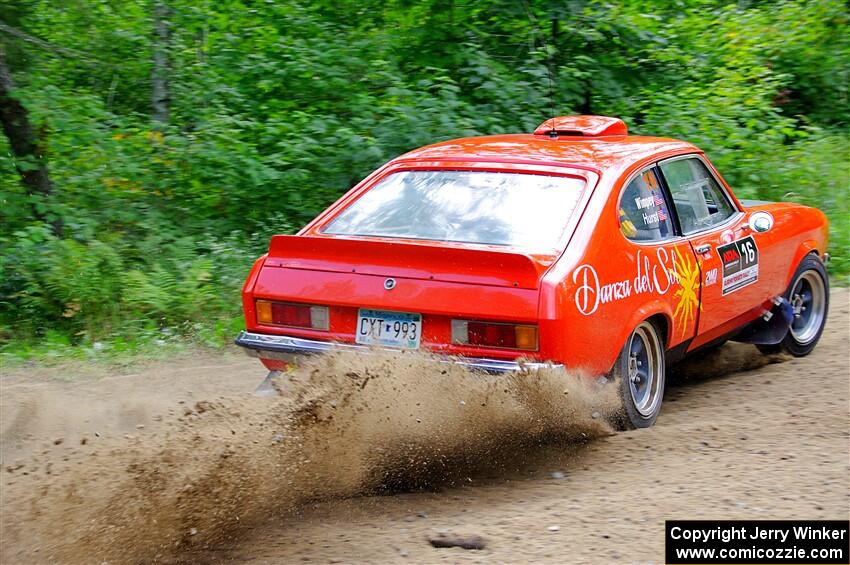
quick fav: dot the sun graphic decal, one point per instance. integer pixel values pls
(688, 293)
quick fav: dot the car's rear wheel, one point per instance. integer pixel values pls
(809, 298)
(640, 376)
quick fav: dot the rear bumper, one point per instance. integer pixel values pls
(285, 348)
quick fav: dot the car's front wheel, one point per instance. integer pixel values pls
(809, 298)
(640, 375)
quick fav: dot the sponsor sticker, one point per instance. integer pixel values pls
(665, 271)
(740, 264)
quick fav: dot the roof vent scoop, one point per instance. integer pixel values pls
(584, 126)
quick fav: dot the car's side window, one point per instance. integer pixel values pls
(643, 210)
(700, 202)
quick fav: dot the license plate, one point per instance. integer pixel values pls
(388, 329)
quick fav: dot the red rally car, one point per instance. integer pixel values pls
(578, 246)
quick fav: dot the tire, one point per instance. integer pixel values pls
(808, 294)
(639, 374)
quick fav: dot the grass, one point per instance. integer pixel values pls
(121, 352)
(57, 348)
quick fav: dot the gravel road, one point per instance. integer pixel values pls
(176, 463)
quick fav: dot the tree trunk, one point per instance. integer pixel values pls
(159, 76)
(27, 147)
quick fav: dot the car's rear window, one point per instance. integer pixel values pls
(519, 210)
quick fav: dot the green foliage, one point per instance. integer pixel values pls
(814, 172)
(277, 108)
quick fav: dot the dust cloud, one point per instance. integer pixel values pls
(343, 425)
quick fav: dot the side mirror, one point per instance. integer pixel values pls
(761, 222)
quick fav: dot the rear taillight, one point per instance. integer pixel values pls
(489, 334)
(293, 315)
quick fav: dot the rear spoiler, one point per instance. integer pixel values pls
(425, 260)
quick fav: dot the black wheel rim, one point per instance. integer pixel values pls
(808, 301)
(645, 370)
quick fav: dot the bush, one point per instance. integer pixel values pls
(278, 108)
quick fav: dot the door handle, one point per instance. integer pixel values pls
(703, 249)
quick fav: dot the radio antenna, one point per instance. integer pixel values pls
(533, 19)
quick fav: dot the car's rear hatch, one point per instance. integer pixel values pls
(439, 281)
(422, 261)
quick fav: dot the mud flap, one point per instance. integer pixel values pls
(770, 328)
(267, 387)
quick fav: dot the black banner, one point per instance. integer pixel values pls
(740, 264)
(764, 542)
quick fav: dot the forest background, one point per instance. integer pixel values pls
(152, 147)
